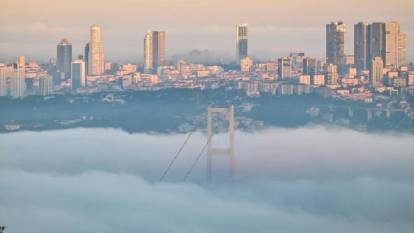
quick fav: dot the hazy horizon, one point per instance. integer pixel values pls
(33, 28)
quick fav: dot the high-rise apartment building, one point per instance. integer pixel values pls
(46, 85)
(376, 72)
(402, 49)
(392, 43)
(335, 44)
(310, 66)
(158, 48)
(148, 53)
(242, 41)
(285, 68)
(64, 57)
(86, 58)
(360, 46)
(96, 62)
(78, 74)
(154, 50)
(376, 42)
(3, 80)
(18, 82)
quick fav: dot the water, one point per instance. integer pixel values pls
(287, 180)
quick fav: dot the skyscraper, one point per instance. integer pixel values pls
(158, 49)
(18, 84)
(86, 58)
(3, 80)
(335, 44)
(402, 49)
(46, 85)
(360, 46)
(309, 66)
(391, 43)
(148, 53)
(154, 50)
(78, 74)
(96, 63)
(377, 66)
(376, 42)
(242, 41)
(285, 68)
(64, 57)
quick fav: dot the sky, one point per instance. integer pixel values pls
(277, 27)
(68, 185)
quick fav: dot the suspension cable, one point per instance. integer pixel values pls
(195, 162)
(175, 157)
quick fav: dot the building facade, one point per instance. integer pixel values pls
(96, 62)
(18, 82)
(335, 44)
(376, 72)
(360, 46)
(46, 85)
(376, 42)
(78, 74)
(242, 41)
(64, 57)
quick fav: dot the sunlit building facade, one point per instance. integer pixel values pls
(96, 62)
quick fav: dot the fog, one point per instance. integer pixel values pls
(287, 180)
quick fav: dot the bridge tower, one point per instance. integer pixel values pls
(211, 150)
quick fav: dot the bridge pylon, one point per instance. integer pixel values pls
(211, 150)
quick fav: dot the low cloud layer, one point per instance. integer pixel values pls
(105, 202)
(287, 180)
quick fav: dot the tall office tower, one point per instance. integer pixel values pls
(154, 50)
(310, 66)
(46, 85)
(64, 57)
(285, 68)
(402, 49)
(78, 74)
(392, 34)
(148, 53)
(331, 74)
(360, 46)
(377, 66)
(242, 41)
(86, 58)
(3, 80)
(18, 84)
(376, 42)
(335, 44)
(158, 49)
(96, 63)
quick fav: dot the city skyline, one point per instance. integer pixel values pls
(195, 31)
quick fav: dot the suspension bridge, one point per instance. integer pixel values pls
(208, 146)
